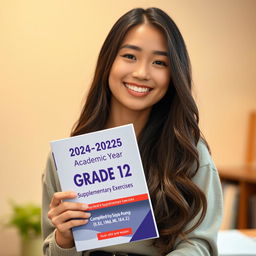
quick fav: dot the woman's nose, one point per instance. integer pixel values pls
(141, 71)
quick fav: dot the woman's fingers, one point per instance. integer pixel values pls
(65, 215)
(59, 196)
(66, 206)
(66, 226)
(70, 217)
(57, 206)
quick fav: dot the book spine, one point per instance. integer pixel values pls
(231, 200)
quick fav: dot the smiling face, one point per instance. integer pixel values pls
(140, 74)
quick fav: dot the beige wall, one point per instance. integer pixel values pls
(48, 51)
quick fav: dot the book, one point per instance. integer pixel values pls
(230, 198)
(105, 169)
(252, 211)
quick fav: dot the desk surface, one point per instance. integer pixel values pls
(237, 242)
(249, 232)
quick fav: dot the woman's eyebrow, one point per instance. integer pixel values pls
(137, 48)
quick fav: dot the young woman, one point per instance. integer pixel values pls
(143, 77)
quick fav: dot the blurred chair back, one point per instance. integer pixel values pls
(251, 143)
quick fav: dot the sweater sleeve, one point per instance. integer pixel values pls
(203, 240)
(50, 185)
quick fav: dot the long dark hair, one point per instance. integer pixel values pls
(168, 140)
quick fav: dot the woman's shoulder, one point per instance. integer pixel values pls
(50, 176)
(207, 174)
(205, 158)
(50, 164)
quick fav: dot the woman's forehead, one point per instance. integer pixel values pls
(146, 36)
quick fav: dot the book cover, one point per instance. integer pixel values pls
(230, 199)
(104, 168)
(252, 211)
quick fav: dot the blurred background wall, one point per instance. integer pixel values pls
(48, 51)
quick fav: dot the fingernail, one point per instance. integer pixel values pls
(84, 206)
(73, 194)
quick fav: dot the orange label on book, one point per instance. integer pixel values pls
(114, 233)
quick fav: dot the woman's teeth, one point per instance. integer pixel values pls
(137, 89)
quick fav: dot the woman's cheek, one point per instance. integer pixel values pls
(162, 78)
(119, 68)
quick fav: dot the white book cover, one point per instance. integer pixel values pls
(104, 168)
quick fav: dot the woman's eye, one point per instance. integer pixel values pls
(160, 63)
(129, 56)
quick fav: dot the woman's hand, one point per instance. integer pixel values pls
(63, 216)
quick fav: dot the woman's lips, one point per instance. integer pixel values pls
(141, 89)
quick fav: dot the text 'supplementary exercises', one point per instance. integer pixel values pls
(104, 168)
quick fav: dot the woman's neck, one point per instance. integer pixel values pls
(121, 116)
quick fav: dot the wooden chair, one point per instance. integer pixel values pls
(245, 176)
